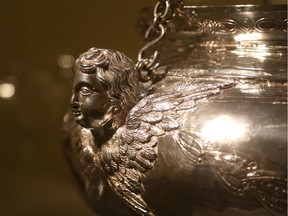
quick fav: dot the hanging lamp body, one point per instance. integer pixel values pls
(210, 129)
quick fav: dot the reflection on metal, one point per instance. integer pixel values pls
(223, 129)
(207, 132)
(248, 89)
(248, 37)
(7, 90)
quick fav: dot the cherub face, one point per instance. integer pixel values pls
(89, 101)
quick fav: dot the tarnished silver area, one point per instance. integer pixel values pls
(206, 135)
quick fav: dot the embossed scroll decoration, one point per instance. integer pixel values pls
(245, 25)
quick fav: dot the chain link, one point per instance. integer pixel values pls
(164, 11)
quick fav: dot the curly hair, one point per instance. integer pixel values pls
(117, 74)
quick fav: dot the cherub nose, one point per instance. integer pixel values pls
(74, 101)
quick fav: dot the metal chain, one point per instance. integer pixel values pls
(164, 11)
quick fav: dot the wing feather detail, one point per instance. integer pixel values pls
(133, 149)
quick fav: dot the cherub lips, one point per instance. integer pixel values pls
(76, 113)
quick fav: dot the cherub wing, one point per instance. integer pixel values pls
(124, 167)
(133, 149)
(80, 153)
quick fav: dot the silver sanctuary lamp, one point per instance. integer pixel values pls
(197, 127)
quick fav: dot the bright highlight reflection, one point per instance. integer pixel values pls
(7, 90)
(249, 37)
(223, 128)
(246, 88)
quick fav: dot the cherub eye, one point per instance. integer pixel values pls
(85, 91)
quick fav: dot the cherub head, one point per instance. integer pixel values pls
(105, 88)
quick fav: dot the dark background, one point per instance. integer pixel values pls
(37, 40)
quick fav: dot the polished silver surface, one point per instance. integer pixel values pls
(206, 136)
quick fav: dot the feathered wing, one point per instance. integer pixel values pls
(80, 153)
(124, 165)
(133, 149)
